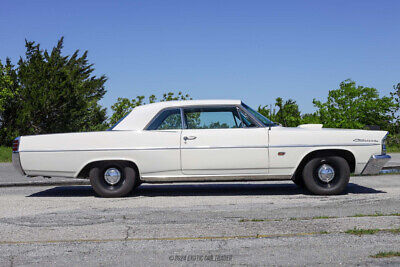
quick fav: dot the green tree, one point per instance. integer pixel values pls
(354, 107)
(312, 118)
(288, 113)
(393, 139)
(395, 126)
(9, 106)
(123, 105)
(267, 111)
(53, 93)
(7, 83)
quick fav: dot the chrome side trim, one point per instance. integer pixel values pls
(375, 164)
(223, 147)
(16, 161)
(198, 147)
(103, 149)
(325, 145)
(214, 178)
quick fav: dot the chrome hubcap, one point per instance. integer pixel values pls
(326, 173)
(112, 176)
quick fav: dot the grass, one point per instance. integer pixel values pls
(5, 154)
(252, 220)
(360, 232)
(388, 254)
(291, 219)
(323, 217)
(377, 214)
(393, 149)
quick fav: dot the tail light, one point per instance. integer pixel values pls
(384, 145)
(15, 144)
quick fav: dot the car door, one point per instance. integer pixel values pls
(164, 133)
(214, 141)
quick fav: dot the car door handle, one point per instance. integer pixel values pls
(189, 138)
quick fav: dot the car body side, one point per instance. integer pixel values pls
(157, 154)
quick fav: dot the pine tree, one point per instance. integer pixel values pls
(53, 93)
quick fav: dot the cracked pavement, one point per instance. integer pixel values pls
(255, 223)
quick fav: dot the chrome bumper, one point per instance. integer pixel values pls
(375, 164)
(16, 161)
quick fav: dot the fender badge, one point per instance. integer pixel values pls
(365, 140)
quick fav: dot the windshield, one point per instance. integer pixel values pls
(259, 117)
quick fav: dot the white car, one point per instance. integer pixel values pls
(202, 141)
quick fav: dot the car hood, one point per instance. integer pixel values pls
(315, 133)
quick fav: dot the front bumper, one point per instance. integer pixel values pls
(375, 164)
(17, 163)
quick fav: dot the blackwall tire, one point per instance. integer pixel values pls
(326, 175)
(298, 180)
(106, 187)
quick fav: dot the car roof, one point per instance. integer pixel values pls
(140, 116)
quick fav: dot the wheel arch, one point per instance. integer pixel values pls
(346, 154)
(84, 172)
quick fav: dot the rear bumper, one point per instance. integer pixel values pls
(375, 164)
(16, 161)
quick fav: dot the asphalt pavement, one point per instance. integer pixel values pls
(59, 221)
(9, 177)
(394, 161)
(255, 223)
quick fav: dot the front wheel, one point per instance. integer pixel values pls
(326, 175)
(113, 179)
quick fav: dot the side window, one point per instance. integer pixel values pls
(169, 119)
(212, 118)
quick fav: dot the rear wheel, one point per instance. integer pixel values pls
(113, 179)
(326, 175)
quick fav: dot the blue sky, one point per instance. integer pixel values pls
(250, 50)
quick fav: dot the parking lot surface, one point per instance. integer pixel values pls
(257, 223)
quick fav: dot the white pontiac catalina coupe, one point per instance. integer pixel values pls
(199, 141)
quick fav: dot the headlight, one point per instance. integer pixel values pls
(384, 145)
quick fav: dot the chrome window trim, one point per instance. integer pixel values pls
(255, 118)
(184, 125)
(183, 119)
(256, 122)
(240, 117)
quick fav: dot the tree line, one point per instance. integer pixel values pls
(48, 92)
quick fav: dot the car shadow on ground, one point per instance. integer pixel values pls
(221, 189)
